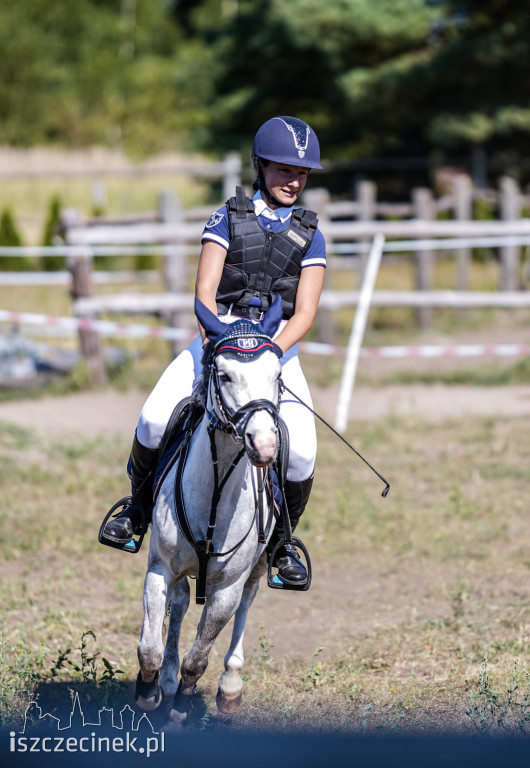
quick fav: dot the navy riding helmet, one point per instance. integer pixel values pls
(287, 140)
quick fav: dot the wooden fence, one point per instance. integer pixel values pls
(348, 227)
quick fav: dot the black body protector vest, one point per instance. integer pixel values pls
(262, 263)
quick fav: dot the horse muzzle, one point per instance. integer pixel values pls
(261, 440)
(256, 425)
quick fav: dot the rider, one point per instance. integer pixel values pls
(251, 251)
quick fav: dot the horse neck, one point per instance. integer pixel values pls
(200, 455)
(236, 506)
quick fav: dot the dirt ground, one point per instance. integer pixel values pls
(115, 413)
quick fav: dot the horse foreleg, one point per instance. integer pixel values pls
(230, 691)
(151, 648)
(219, 609)
(180, 600)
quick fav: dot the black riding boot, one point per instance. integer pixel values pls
(290, 567)
(122, 527)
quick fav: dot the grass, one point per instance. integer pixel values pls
(431, 579)
(490, 374)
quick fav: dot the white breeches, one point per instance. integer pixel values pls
(176, 383)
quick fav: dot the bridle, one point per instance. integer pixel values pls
(232, 422)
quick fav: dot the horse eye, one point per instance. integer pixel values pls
(224, 377)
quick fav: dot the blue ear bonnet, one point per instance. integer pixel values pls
(242, 337)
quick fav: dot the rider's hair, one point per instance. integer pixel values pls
(258, 163)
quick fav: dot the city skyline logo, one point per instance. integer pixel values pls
(122, 733)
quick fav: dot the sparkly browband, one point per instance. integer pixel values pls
(243, 338)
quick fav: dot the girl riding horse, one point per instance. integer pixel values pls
(253, 250)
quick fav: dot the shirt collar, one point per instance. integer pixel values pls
(262, 209)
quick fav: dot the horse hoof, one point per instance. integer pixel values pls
(175, 723)
(148, 696)
(226, 704)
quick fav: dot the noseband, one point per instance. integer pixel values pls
(235, 423)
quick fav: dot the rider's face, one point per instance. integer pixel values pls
(284, 182)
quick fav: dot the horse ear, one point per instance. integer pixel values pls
(214, 328)
(272, 318)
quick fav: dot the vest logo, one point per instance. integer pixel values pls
(215, 219)
(248, 343)
(296, 238)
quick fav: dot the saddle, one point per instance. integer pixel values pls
(184, 420)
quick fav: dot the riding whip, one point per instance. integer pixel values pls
(350, 446)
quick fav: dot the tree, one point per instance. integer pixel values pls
(373, 77)
(295, 58)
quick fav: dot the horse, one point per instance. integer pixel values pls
(218, 528)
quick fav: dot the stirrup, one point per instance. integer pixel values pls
(134, 544)
(273, 580)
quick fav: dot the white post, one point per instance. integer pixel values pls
(357, 332)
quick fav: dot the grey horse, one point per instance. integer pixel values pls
(241, 387)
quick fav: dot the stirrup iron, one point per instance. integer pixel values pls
(273, 580)
(134, 544)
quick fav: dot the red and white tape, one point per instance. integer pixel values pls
(425, 350)
(103, 327)
(136, 331)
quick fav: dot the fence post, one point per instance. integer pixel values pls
(317, 200)
(175, 266)
(232, 167)
(424, 209)
(463, 194)
(360, 319)
(80, 267)
(510, 205)
(366, 194)
(99, 198)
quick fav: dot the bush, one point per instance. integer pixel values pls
(10, 237)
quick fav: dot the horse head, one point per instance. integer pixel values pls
(244, 381)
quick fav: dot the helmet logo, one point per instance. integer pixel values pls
(300, 131)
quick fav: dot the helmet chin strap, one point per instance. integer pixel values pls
(263, 188)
